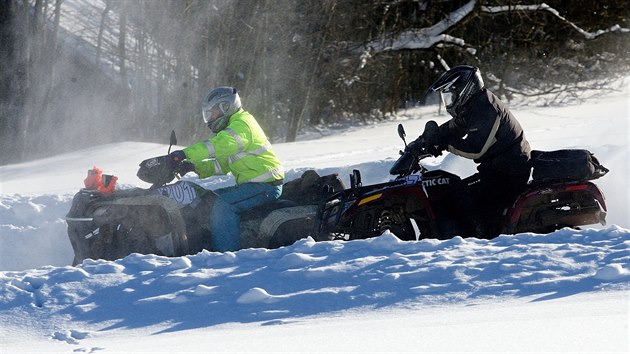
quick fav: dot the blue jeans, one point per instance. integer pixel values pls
(225, 218)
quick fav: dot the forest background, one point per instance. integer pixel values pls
(77, 73)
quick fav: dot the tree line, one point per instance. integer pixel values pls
(75, 73)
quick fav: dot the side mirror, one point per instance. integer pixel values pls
(401, 133)
(173, 140)
(355, 179)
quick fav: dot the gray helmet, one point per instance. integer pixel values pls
(218, 106)
(457, 86)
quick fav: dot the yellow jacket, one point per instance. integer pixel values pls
(242, 148)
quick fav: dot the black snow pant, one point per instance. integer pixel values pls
(482, 197)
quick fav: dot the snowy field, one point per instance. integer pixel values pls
(567, 291)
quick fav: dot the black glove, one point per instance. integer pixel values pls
(179, 164)
(433, 145)
(435, 150)
(416, 146)
(185, 167)
(433, 141)
(177, 157)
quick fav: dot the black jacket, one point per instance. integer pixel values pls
(487, 132)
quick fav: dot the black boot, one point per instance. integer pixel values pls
(479, 230)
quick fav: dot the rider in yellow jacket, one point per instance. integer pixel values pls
(240, 147)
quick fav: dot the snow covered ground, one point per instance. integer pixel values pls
(567, 291)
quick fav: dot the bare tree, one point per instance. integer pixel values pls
(122, 39)
(298, 64)
(101, 29)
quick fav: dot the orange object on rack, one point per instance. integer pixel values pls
(98, 181)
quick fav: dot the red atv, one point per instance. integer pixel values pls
(419, 203)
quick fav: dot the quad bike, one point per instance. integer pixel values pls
(173, 219)
(420, 204)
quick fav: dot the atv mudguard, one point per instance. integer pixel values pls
(545, 208)
(280, 227)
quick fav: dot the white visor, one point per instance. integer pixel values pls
(206, 114)
(448, 98)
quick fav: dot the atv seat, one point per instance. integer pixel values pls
(264, 209)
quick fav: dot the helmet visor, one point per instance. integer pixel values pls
(448, 98)
(210, 114)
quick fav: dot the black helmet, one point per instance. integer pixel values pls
(457, 86)
(218, 106)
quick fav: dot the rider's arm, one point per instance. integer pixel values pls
(473, 139)
(211, 156)
(229, 141)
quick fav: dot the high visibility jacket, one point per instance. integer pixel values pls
(242, 148)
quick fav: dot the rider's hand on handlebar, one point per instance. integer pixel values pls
(177, 156)
(434, 145)
(434, 150)
(179, 164)
(185, 167)
(416, 146)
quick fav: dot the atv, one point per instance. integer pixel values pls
(173, 219)
(419, 203)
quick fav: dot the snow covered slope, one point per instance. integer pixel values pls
(564, 289)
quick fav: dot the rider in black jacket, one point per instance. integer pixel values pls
(484, 130)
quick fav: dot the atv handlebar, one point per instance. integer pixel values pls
(409, 160)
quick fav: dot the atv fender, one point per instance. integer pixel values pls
(282, 227)
(173, 243)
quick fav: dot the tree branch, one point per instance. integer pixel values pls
(422, 38)
(425, 38)
(545, 7)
